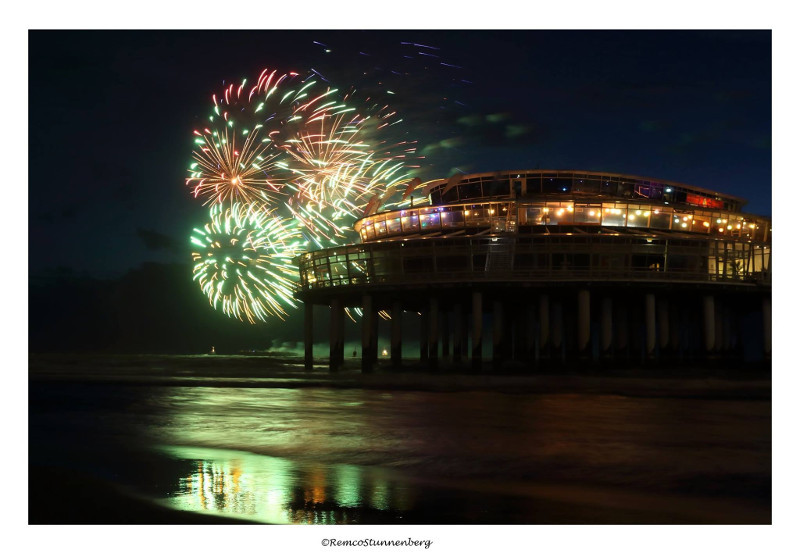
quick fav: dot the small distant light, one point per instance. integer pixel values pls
(729, 227)
(668, 190)
(706, 224)
(683, 225)
(591, 213)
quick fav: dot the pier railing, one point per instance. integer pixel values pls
(538, 259)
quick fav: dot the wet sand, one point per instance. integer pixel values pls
(187, 440)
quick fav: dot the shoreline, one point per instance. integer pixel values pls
(707, 382)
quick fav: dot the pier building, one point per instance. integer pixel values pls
(550, 266)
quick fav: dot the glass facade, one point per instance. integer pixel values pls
(507, 216)
(552, 226)
(519, 185)
(546, 257)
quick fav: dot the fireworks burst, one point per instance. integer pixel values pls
(284, 162)
(244, 261)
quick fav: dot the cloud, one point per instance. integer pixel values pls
(497, 117)
(470, 120)
(514, 131)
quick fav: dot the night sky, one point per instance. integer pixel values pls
(111, 115)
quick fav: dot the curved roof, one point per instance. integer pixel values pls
(543, 181)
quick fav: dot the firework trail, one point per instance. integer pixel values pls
(244, 261)
(293, 141)
(287, 165)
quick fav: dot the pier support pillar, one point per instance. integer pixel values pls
(445, 334)
(433, 332)
(727, 328)
(675, 309)
(606, 325)
(650, 324)
(621, 320)
(336, 357)
(584, 321)
(477, 329)
(663, 323)
(556, 325)
(557, 329)
(766, 312)
(465, 334)
(367, 333)
(544, 321)
(373, 346)
(308, 335)
(397, 334)
(709, 318)
(424, 332)
(530, 331)
(458, 333)
(497, 333)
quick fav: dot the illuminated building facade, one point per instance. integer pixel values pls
(565, 264)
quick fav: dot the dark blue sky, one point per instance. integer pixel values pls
(111, 116)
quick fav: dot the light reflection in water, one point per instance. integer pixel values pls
(275, 490)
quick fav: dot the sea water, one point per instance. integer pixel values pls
(261, 439)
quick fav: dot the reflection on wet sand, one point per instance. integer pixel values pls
(319, 454)
(274, 490)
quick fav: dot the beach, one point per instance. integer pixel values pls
(209, 439)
